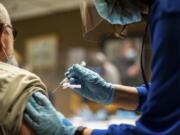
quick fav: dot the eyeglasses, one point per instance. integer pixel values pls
(14, 31)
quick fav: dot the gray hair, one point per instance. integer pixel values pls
(4, 15)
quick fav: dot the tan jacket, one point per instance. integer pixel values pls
(16, 86)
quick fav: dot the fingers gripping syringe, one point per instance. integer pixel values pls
(83, 63)
(64, 83)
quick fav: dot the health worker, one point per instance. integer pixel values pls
(158, 101)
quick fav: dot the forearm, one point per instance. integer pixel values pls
(87, 131)
(126, 97)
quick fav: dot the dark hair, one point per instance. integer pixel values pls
(125, 7)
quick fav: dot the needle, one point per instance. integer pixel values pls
(83, 63)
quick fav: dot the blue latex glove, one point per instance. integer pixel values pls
(43, 118)
(93, 87)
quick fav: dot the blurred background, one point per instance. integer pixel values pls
(50, 40)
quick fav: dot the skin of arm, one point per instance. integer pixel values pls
(25, 130)
(126, 97)
(87, 131)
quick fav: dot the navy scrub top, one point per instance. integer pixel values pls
(160, 105)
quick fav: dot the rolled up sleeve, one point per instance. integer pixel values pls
(143, 92)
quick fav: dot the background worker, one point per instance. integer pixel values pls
(127, 63)
(159, 103)
(98, 62)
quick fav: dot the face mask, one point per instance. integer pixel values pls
(131, 54)
(114, 18)
(10, 60)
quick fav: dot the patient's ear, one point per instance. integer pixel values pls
(2, 39)
(2, 48)
(25, 130)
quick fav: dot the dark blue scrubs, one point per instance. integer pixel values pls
(160, 105)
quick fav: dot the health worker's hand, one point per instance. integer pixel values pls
(43, 118)
(93, 87)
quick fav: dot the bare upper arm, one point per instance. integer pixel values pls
(25, 130)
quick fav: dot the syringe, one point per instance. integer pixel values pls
(65, 80)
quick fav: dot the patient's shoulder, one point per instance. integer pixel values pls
(9, 72)
(11, 75)
(7, 68)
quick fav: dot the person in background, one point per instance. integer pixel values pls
(97, 62)
(128, 64)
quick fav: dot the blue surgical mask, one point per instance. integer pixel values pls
(131, 54)
(114, 18)
(10, 59)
